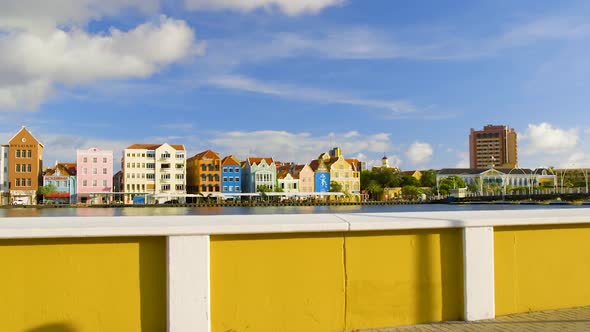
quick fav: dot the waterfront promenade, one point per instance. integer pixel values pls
(574, 319)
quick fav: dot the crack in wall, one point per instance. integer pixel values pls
(344, 269)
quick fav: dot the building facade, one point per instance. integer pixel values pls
(286, 182)
(153, 173)
(342, 171)
(95, 176)
(231, 175)
(305, 175)
(4, 192)
(258, 172)
(204, 173)
(494, 146)
(63, 178)
(24, 167)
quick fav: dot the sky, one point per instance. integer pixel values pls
(291, 79)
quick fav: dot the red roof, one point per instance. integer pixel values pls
(208, 154)
(179, 147)
(256, 160)
(230, 160)
(64, 168)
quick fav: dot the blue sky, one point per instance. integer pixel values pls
(291, 79)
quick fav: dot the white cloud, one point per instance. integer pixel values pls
(299, 147)
(241, 83)
(30, 63)
(288, 7)
(545, 138)
(463, 160)
(42, 15)
(419, 152)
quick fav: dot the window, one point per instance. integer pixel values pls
(179, 155)
(17, 183)
(18, 168)
(29, 153)
(151, 165)
(85, 183)
(165, 177)
(104, 171)
(150, 176)
(237, 188)
(94, 160)
(104, 183)
(94, 183)
(230, 170)
(165, 187)
(142, 165)
(128, 187)
(151, 154)
(85, 159)
(179, 176)
(224, 188)
(179, 166)
(165, 166)
(104, 160)
(29, 168)
(28, 182)
(225, 179)
(132, 165)
(17, 154)
(165, 155)
(237, 169)
(224, 169)
(128, 165)
(179, 187)
(94, 171)
(128, 155)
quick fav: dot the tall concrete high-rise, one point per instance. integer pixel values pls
(494, 146)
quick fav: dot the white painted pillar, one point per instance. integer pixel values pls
(188, 284)
(478, 273)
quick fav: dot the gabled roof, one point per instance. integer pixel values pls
(64, 168)
(410, 173)
(257, 160)
(355, 163)
(28, 131)
(230, 160)
(179, 147)
(283, 174)
(207, 154)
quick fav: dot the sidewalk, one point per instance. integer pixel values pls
(576, 319)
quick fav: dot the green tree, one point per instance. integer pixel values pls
(408, 180)
(47, 189)
(264, 189)
(452, 182)
(411, 192)
(335, 187)
(428, 178)
(374, 189)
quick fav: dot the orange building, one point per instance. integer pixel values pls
(24, 167)
(204, 173)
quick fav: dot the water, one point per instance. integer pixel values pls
(175, 211)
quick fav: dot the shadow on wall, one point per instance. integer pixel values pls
(58, 327)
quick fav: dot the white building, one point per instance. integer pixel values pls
(155, 173)
(286, 182)
(4, 175)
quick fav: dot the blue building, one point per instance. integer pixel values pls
(63, 177)
(231, 175)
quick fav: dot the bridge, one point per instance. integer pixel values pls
(305, 272)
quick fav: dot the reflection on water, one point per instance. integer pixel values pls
(169, 211)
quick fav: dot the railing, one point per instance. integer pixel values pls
(304, 272)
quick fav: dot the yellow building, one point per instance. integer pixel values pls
(343, 171)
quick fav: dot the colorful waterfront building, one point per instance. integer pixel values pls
(63, 178)
(305, 175)
(4, 193)
(24, 167)
(231, 175)
(321, 174)
(286, 182)
(257, 172)
(94, 183)
(154, 173)
(343, 171)
(204, 173)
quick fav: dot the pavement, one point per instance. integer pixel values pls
(575, 319)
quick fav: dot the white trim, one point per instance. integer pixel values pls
(478, 273)
(55, 227)
(188, 288)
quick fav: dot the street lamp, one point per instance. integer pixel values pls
(508, 175)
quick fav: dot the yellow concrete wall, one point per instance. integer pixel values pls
(541, 267)
(83, 285)
(403, 277)
(291, 282)
(297, 282)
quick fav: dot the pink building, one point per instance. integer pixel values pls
(94, 181)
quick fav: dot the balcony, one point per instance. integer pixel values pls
(318, 272)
